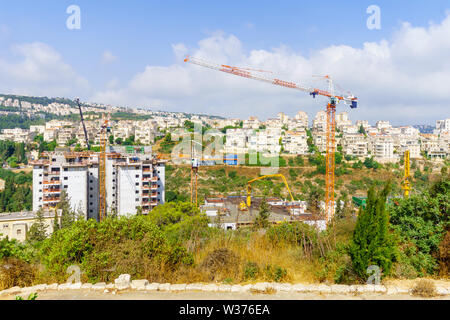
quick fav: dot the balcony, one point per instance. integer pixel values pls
(52, 199)
(51, 190)
(52, 182)
(154, 195)
(154, 187)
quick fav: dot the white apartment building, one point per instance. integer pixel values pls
(251, 123)
(382, 147)
(302, 118)
(363, 123)
(265, 140)
(354, 144)
(64, 135)
(236, 140)
(295, 142)
(17, 135)
(442, 126)
(342, 120)
(133, 179)
(282, 117)
(380, 125)
(320, 121)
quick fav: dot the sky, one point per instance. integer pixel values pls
(130, 53)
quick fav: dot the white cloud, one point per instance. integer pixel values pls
(404, 79)
(39, 70)
(108, 57)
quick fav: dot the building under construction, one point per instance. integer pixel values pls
(225, 212)
(134, 180)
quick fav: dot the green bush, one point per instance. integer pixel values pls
(251, 270)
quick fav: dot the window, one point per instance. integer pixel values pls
(40, 190)
(90, 173)
(90, 181)
(19, 231)
(113, 188)
(137, 191)
(40, 174)
(137, 199)
(90, 196)
(66, 169)
(90, 211)
(113, 195)
(114, 172)
(137, 176)
(5, 226)
(90, 203)
(40, 182)
(137, 183)
(91, 188)
(65, 178)
(66, 186)
(114, 180)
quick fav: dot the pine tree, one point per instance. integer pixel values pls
(372, 244)
(262, 219)
(56, 225)
(67, 215)
(38, 230)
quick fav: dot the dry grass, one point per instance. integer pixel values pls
(424, 288)
(15, 272)
(257, 249)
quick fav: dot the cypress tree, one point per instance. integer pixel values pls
(372, 244)
(38, 230)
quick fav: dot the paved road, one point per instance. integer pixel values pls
(160, 295)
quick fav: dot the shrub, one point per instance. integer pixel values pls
(16, 272)
(275, 273)
(251, 270)
(424, 288)
(220, 264)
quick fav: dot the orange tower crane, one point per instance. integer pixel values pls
(331, 114)
(102, 168)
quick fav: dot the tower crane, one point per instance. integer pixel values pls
(105, 129)
(77, 100)
(406, 179)
(334, 99)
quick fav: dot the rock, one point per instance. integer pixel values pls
(282, 287)
(323, 288)
(106, 291)
(152, 286)
(391, 290)
(139, 284)
(39, 287)
(13, 290)
(298, 287)
(53, 286)
(402, 290)
(442, 291)
(237, 288)
(123, 281)
(247, 287)
(378, 288)
(64, 286)
(99, 286)
(75, 286)
(164, 287)
(224, 288)
(178, 287)
(194, 287)
(261, 286)
(110, 286)
(210, 288)
(86, 286)
(340, 288)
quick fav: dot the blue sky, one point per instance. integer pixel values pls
(138, 34)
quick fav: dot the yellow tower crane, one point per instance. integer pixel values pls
(406, 179)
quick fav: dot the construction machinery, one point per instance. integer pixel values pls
(406, 186)
(77, 100)
(334, 99)
(248, 203)
(105, 129)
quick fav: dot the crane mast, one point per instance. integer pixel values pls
(82, 122)
(331, 114)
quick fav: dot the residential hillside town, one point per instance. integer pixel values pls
(135, 173)
(283, 134)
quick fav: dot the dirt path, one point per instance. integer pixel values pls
(151, 295)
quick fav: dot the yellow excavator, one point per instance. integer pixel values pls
(244, 206)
